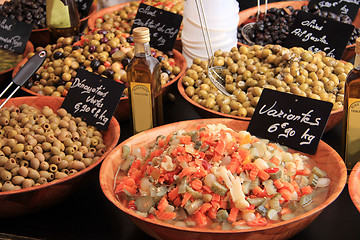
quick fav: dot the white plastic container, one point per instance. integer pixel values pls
(221, 20)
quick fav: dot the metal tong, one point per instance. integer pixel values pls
(29, 68)
(213, 72)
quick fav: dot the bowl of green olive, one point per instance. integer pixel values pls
(46, 154)
(101, 52)
(8, 61)
(248, 70)
(119, 18)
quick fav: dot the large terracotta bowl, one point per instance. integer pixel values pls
(334, 118)
(244, 15)
(7, 74)
(354, 185)
(102, 12)
(41, 37)
(25, 201)
(326, 158)
(122, 112)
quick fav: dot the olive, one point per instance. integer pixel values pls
(95, 63)
(125, 61)
(58, 54)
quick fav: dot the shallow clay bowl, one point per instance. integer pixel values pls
(244, 15)
(28, 200)
(7, 74)
(102, 12)
(354, 185)
(41, 37)
(334, 118)
(326, 158)
(122, 112)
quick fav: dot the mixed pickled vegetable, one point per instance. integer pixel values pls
(8, 59)
(218, 178)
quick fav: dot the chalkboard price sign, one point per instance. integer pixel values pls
(348, 7)
(294, 121)
(163, 25)
(316, 34)
(14, 34)
(93, 98)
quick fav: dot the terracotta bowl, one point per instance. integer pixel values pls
(123, 108)
(334, 119)
(7, 74)
(326, 158)
(25, 201)
(244, 15)
(41, 37)
(102, 12)
(354, 185)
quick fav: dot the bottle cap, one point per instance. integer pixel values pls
(141, 35)
(357, 46)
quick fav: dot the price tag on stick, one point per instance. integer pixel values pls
(14, 34)
(349, 7)
(294, 121)
(93, 98)
(316, 34)
(163, 25)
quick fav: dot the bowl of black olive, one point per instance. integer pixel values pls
(273, 27)
(34, 12)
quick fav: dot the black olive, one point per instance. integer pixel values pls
(57, 55)
(164, 70)
(82, 67)
(109, 73)
(160, 58)
(130, 39)
(95, 64)
(36, 77)
(125, 61)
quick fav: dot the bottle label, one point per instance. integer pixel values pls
(141, 106)
(352, 151)
(57, 14)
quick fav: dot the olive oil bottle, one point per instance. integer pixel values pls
(144, 89)
(62, 19)
(351, 129)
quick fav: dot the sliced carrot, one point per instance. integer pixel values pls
(233, 166)
(129, 181)
(278, 184)
(296, 186)
(187, 171)
(258, 191)
(289, 186)
(245, 155)
(285, 211)
(220, 147)
(143, 151)
(257, 222)
(233, 214)
(253, 173)
(238, 223)
(285, 193)
(161, 142)
(177, 201)
(211, 213)
(173, 194)
(275, 161)
(200, 218)
(223, 204)
(215, 197)
(249, 166)
(130, 190)
(263, 175)
(205, 207)
(185, 199)
(162, 215)
(185, 139)
(200, 173)
(306, 190)
(167, 140)
(305, 171)
(206, 189)
(196, 184)
(163, 203)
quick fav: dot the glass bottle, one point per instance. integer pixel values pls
(62, 19)
(351, 129)
(144, 89)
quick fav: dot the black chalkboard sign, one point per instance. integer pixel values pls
(83, 6)
(14, 34)
(93, 98)
(349, 7)
(164, 26)
(316, 34)
(294, 121)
